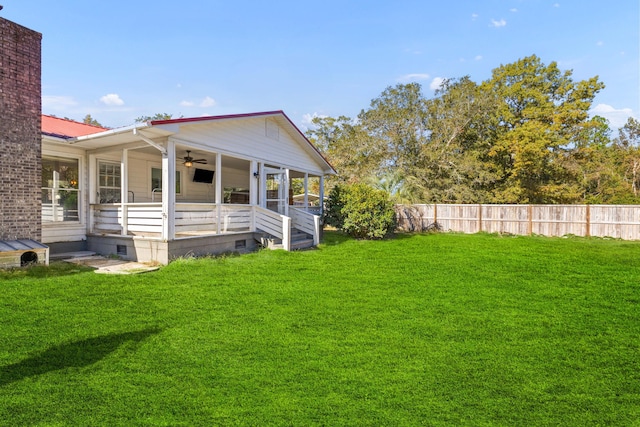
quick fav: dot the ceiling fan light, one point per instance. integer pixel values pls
(188, 163)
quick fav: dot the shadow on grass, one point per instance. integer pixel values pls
(76, 354)
(334, 237)
(55, 269)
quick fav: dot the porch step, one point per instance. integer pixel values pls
(299, 240)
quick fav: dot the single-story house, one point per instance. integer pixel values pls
(106, 190)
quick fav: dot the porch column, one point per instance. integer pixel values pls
(263, 186)
(321, 195)
(124, 190)
(253, 183)
(169, 192)
(92, 190)
(306, 191)
(218, 176)
(287, 185)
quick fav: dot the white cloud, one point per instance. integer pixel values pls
(58, 102)
(478, 58)
(413, 77)
(112, 99)
(412, 51)
(498, 24)
(514, 10)
(207, 102)
(436, 83)
(617, 116)
(556, 5)
(600, 43)
(474, 16)
(307, 120)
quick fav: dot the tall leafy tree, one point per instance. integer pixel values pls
(540, 112)
(346, 145)
(396, 123)
(627, 146)
(454, 164)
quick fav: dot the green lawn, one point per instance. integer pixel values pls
(442, 329)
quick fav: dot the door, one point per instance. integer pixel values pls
(275, 191)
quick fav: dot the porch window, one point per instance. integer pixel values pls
(60, 190)
(109, 182)
(236, 195)
(156, 180)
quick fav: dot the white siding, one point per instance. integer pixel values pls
(52, 233)
(248, 139)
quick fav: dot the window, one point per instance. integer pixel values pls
(236, 195)
(156, 180)
(60, 190)
(109, 182)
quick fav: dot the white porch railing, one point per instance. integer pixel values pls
(307, 222)
(197, 219)
(141, 218)
(275, 224)
(209, 218)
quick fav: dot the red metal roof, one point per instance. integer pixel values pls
(66, 128)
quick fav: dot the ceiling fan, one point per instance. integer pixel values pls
(189, 161)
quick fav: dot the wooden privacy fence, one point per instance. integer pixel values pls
(617, 221)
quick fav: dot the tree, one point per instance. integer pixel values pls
(628, 147)
(91, 121)
(522, 136)
(540, 112)
(157, 116)
(347, 147)
(396, 123)
(454, 164)
(401, 189)
(593, 160)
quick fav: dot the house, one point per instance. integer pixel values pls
(106, 190)
(148, 192)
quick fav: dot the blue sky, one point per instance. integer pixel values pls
(118, 60)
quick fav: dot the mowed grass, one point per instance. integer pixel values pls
(441, 329)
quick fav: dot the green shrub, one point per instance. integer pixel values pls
(360, 211)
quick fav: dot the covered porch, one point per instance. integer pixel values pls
(223, 201)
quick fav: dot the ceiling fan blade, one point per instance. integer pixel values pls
(199, 161)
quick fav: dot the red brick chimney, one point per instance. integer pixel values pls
(20, 133)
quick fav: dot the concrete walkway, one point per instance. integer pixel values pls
(112, 266)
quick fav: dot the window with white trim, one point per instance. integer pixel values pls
(60, 190)
(156, 180)
(109, 182)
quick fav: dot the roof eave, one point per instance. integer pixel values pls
(110, 132)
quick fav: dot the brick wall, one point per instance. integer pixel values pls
(20, 134)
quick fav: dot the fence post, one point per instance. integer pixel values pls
(530, 215)
(435, 213)
(479, 217)
(588, 216)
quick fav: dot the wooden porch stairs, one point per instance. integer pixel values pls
(299, 240)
